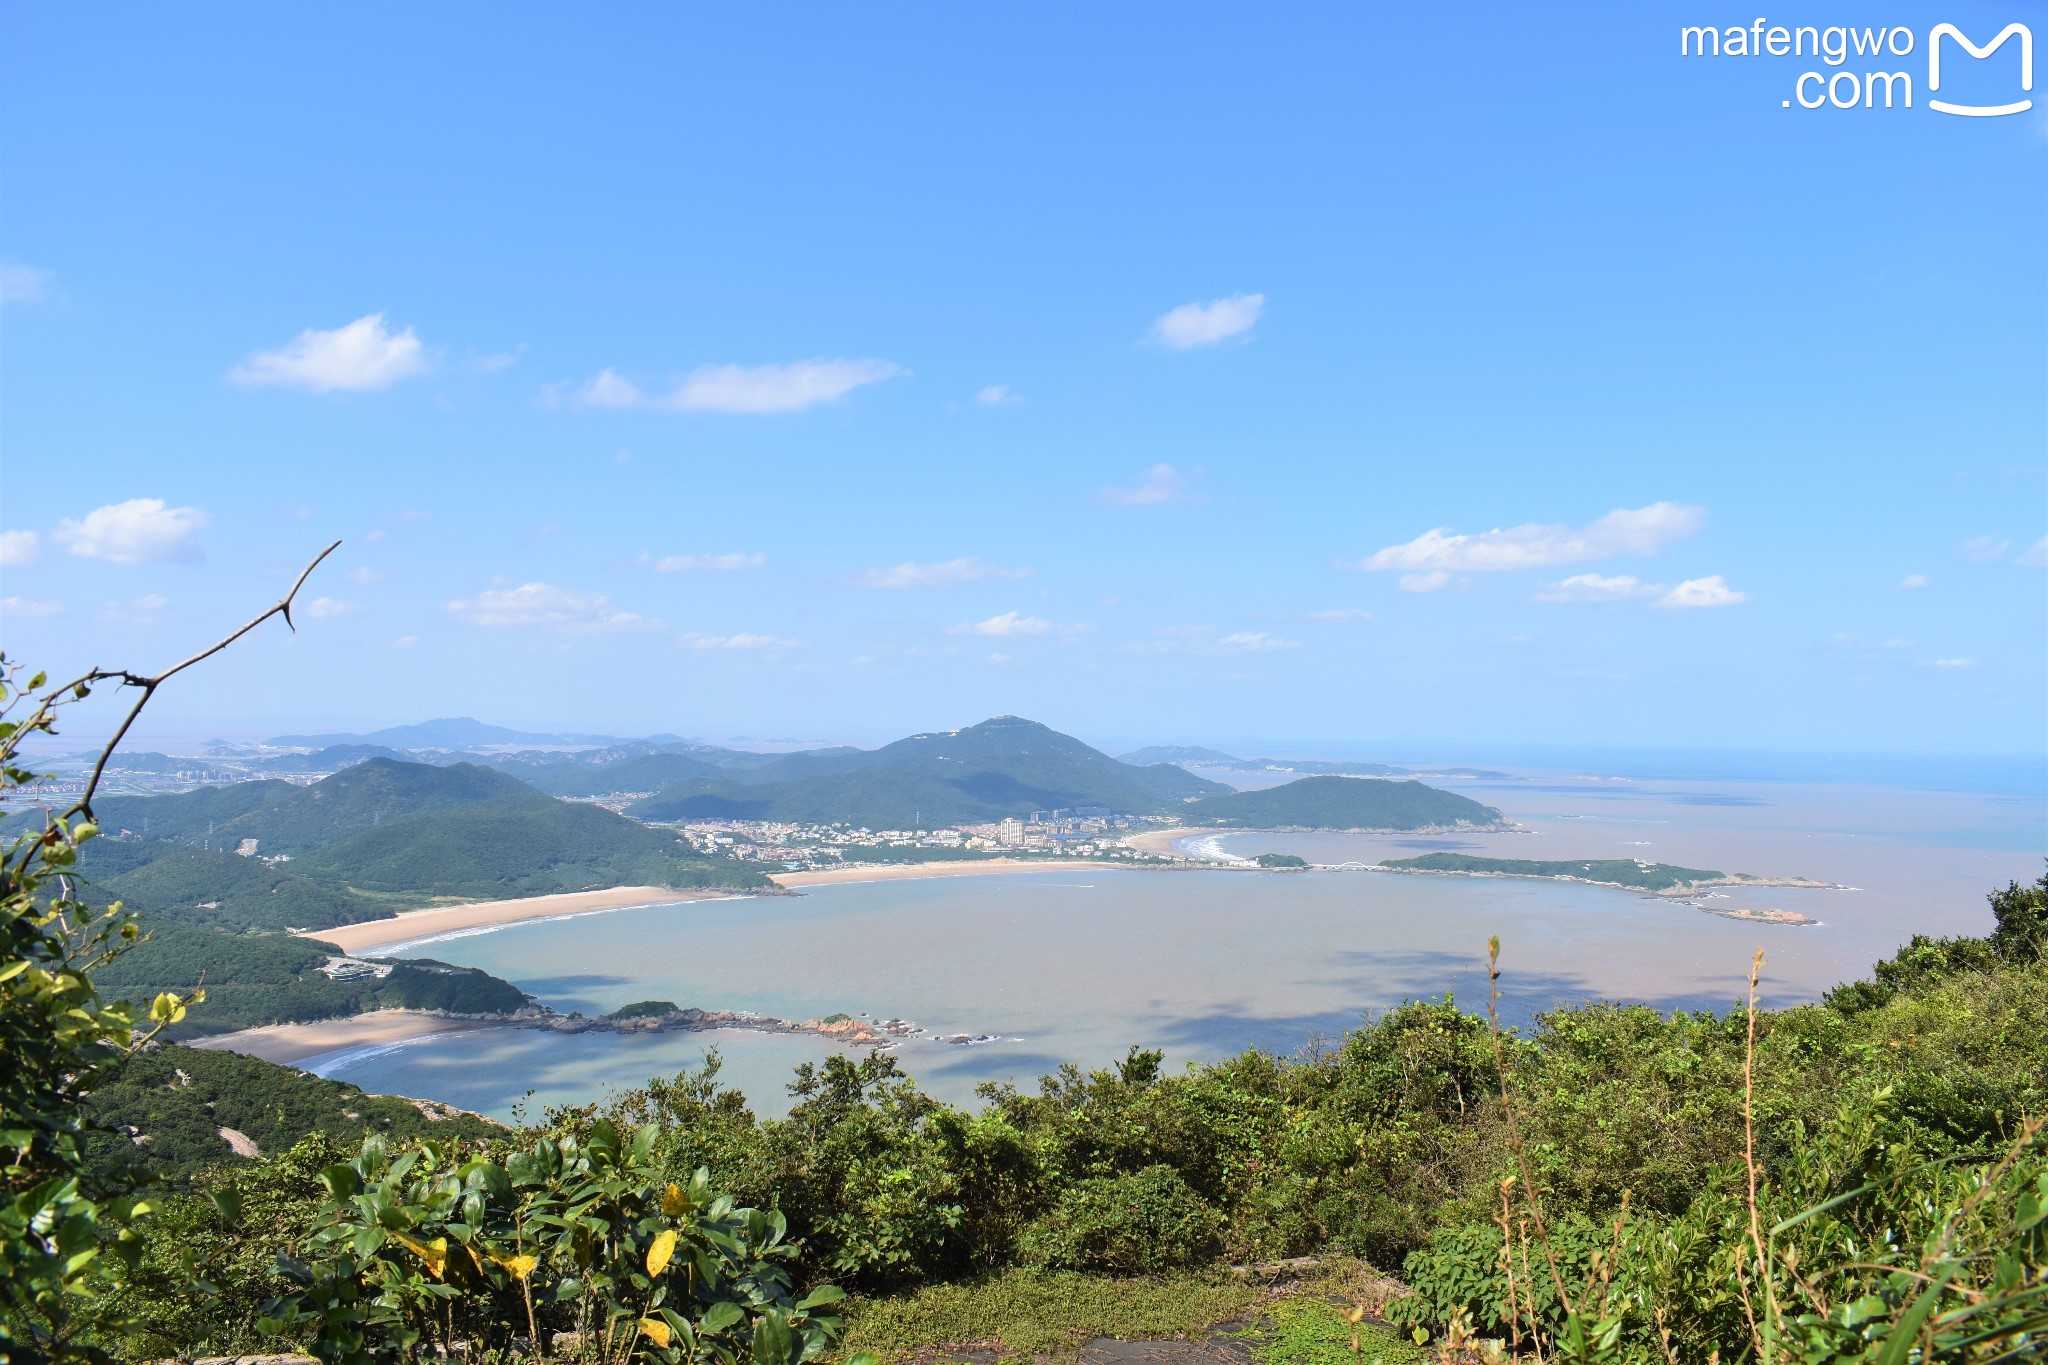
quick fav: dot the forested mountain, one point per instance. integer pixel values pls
(1005, 766)
(1342, 803)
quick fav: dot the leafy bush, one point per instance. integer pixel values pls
(1144, 1222)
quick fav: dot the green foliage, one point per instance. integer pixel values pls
(160, 1113)
(645, 1009)
(1281, 860)
(217, 890)
(1611, 871)
(1341, 803)
(1311, 1330)
(1143, 1222)
(440, 1245)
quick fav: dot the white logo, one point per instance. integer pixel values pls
(2026, 38)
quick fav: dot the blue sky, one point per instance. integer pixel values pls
(1364, 376)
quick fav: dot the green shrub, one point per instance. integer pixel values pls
(1144, 1222)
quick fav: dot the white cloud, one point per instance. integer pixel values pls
(1340, 614)
(742, 388)
(1948, 663)
(362, 355)
(998, 396)
(142, 611)
(1635, 531)
(1009, 623)
(1591, 587)
(951, 573)
(738, 641)
(732, 563)
(138, 531)
(1436, 580)
(19, 549)
(24, 283)
(1162, 483)
(999, 658)
(2035, 556)
(1204, 324)
(363, 573)
(405, 642)
(1912, 581)
(1702, 592)
(330, 609)
(497, 361)
(548, 606)
(29, 606)
(1206, 640)
(1985, 549)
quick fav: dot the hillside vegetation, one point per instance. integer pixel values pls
(1613, 871)
(1001, 767)
(1342, 803)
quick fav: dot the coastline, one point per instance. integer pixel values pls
(897, 872)
(289, 1044)
(408, 925)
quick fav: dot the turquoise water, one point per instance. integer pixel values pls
(1077, 966)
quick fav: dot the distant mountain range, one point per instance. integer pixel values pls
(1343, 803)
(1001, 767)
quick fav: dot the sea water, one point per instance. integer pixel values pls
(1078, 965)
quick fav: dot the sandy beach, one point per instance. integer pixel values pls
(1161, 842)
(288, 1043)
(445, 919)
(966, 867)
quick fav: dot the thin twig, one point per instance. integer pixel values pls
(1756, 1239)
(1500, 1067)
(149, 685)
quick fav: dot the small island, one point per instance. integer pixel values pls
(665, 1016)
(1348, 803)
(1628, 874)
(1281, 862)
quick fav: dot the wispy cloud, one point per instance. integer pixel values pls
(1624, 531)
(737, 641)
(19, 549)
(742, 388)
(731, 563)
(497, 361)
(1985, 549)
(1205, 324)
(1712, 591)
(1340, 614)
(1436, 580)
(2035, 556)
(140, 611)
(546, 606)
(1209, 640)
(405, 642)
(363, 573)
(998, 396)
(330, 609)
(24, 284)
(1009, 623)
(1160, 484)
(1591, 587)
(138, 531)
(1948, 664)
(364, 354)
(29, 606)
(949, 574)
(1912, 581)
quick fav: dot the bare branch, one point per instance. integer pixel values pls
(149, 685)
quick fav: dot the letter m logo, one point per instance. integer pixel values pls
(2026, 37)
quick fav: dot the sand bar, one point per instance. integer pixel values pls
(896, 872)
(1164, 842)
(288, 1043)
(447, 919)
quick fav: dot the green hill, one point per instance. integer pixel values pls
(523, 845)
(223, 891)
(161, 1113)
(257, 979)
(1005, 766)
(1178, 753)
(286, 818)
(1342, 803)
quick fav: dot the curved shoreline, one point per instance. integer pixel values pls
(441, 921)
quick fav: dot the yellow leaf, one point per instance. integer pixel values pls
(659, 1254)
(656, 1328)
(518, 1267)
(434, 1253)
(674, 1202)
